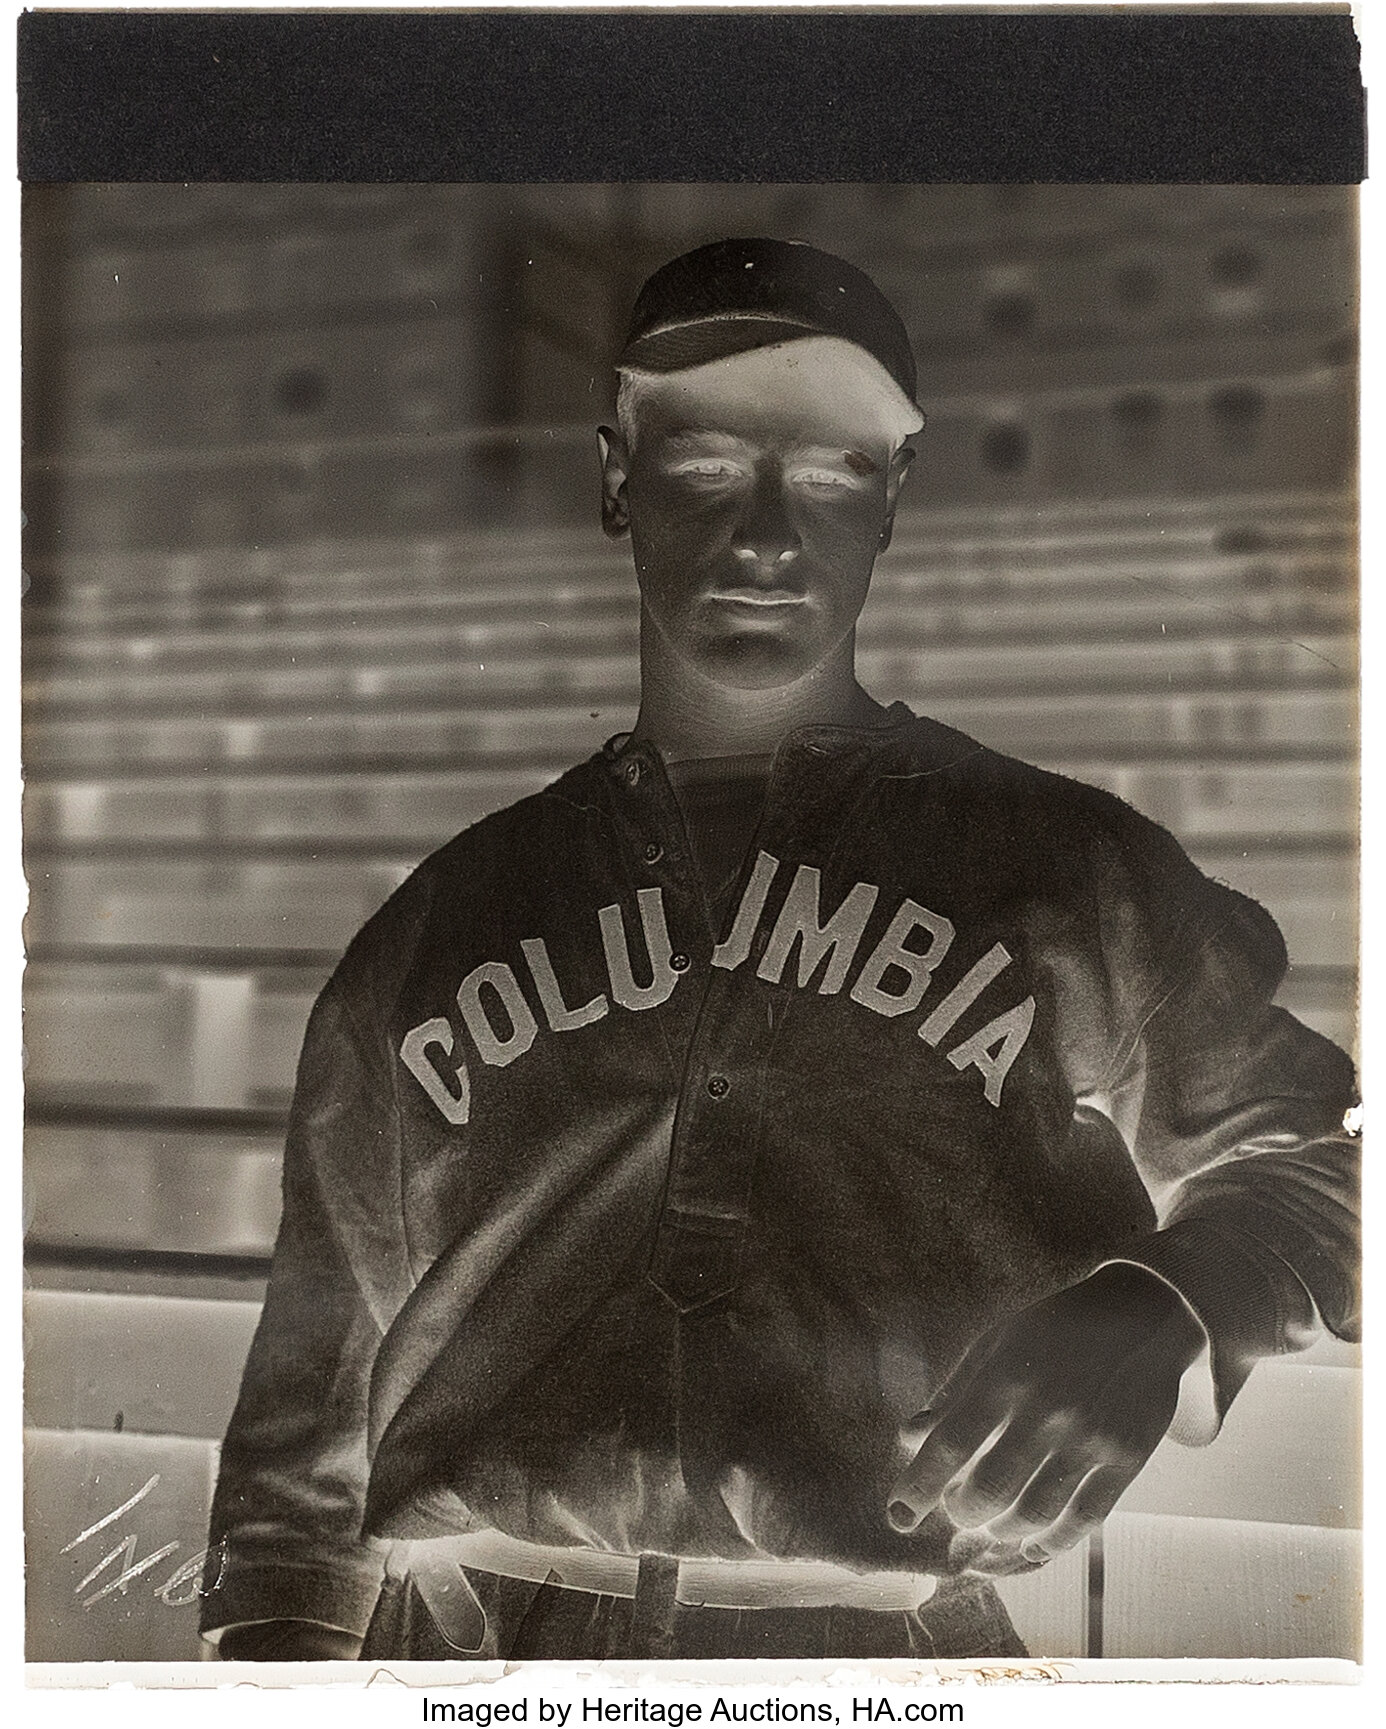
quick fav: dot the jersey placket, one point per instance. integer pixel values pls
(658, 859)
(718, 1125)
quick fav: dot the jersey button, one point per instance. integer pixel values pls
(719, 1086)
(654, 852)
(680, 963)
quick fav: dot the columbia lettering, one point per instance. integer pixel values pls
(991, 1050)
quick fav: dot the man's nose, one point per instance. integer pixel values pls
(765, 540)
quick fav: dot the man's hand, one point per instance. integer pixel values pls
(288, 1642)
(1049, 1417)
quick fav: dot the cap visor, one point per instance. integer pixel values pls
(706, 339)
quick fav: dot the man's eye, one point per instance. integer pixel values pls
(707, 468)
(825, 477)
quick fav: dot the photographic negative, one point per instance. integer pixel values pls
(787, 1176)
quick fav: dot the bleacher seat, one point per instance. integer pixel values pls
(1229, 1588)
(112, 1193)
(114, 1364)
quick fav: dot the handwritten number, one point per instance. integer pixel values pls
(182, 1587)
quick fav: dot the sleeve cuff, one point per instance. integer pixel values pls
(280, 1590)
(1197, 1418)
(1240, 1294)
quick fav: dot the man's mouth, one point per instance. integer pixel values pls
(760, 597)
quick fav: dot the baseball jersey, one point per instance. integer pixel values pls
(611, 1222)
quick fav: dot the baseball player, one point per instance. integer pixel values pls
(798, 1166)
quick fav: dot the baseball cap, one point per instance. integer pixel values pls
(736, 295)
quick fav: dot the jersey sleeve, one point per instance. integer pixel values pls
(286, 1539)
(1235, 1114)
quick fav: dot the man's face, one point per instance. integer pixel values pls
(759, 491)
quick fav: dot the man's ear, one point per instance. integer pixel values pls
(899, 468)
(615, 472)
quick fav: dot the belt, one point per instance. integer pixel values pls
(706, 1584)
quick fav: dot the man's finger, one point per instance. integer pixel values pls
(955, 1438)
(1094, 1499)
(1044, 1498)
(993, 1480)
(915, 1431)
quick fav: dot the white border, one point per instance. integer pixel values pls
(1189, 1691)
